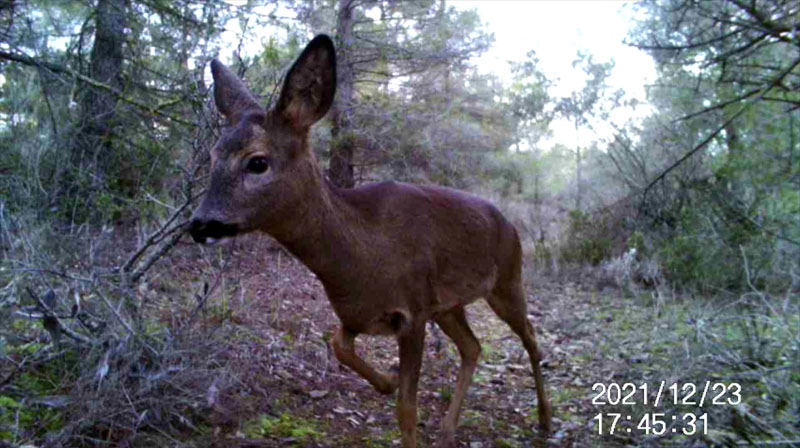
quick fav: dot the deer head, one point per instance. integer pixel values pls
(262, 163)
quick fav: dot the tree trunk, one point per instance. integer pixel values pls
(91, 147)
(578, 156)
(342, 147)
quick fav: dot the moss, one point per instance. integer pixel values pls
(38, 383)
(19, 325)
(505, 443)
(471, 418)
(384, 439)
(286, 425)
(29, 420)
(28, 348)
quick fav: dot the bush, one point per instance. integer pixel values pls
(94, 356)
(588, 239)
(707, 254)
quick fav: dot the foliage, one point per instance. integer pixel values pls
(712, 166)
(90, 145)
(588, 239)
(529, 102)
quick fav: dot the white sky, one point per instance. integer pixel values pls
(556, 30)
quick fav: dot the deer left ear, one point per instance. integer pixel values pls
(310, 85)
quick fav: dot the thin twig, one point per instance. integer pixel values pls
(163, 249)
(60, 326)
(114, 311)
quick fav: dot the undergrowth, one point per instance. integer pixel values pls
(92, 358)
(740, 352)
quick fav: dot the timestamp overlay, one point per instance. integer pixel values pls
(671, 407)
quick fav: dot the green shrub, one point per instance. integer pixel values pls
(713, 254)
(636, 242)
(588, 238)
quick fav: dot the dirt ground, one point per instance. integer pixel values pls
(287, 388)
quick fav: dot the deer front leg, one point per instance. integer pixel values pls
(343, 342)
(412, 342)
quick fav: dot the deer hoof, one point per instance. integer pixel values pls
(388, 384)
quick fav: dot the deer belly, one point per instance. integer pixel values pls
(460, 290)
(371, 318)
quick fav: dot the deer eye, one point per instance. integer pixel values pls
(257, 165)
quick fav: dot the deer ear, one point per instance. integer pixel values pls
(230, 93)
(310, 85)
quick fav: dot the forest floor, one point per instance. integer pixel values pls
(243, 360)
(289, 390)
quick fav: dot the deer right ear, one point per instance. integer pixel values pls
(230, 93)
(310, 85)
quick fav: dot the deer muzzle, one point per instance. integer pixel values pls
(211, 231)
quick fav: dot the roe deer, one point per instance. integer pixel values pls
(391, 256)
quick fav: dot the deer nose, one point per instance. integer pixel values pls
(209, 231)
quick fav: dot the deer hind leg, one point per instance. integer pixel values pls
(455, 325)
(343, 342)
(509, 304)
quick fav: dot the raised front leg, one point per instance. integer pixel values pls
(412, 342)
(343, 342)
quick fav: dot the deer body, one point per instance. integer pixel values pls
(390, 253)
(391, 256)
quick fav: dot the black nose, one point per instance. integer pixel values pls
(202, 230)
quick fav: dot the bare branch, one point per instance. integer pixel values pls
(154, 110)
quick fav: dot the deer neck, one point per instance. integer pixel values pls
(325, 233)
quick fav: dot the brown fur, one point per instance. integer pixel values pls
(391, 256)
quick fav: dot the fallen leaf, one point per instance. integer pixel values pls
(318, 393)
